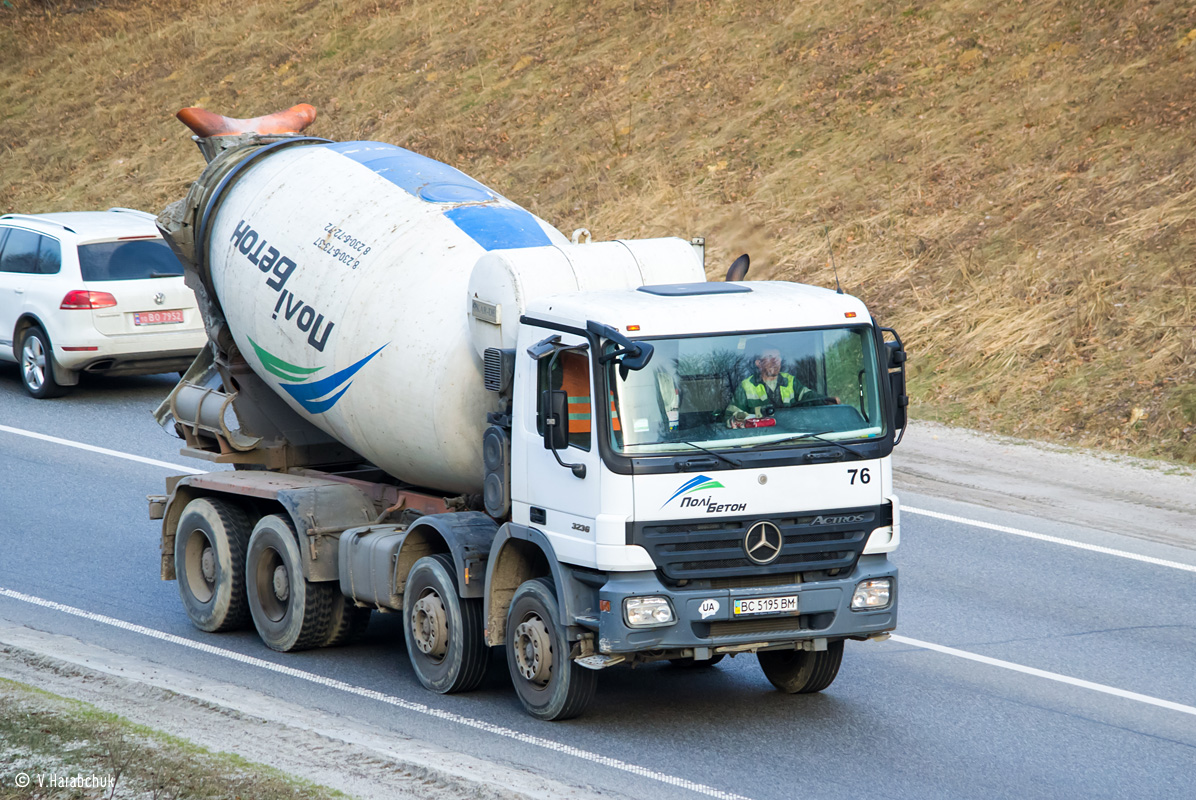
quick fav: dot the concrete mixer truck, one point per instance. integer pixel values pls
(439, 406)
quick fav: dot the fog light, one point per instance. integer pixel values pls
(647, 612)
(870, 595)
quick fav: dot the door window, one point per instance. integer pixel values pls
(20, 252)
(49, 256)
(570, 371)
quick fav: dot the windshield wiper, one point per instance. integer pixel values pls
(156, 274)
(819, 436)
(732, 461)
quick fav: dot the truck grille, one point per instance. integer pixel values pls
(703, 550)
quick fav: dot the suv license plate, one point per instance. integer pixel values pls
(157, 317)
(766, 605)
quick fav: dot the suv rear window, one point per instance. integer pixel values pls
(128, 261)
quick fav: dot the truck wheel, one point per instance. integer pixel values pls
(290, 613)
(802, 671)
(693, 663)
(348, 622)
(443, 630)
(209, 560)
(37, 365)
(549, 683)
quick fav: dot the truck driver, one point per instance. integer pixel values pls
(768, 387)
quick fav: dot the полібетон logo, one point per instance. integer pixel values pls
(694, 485)
(317, 396)
(698, 484)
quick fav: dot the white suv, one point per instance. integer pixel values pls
(92, 291)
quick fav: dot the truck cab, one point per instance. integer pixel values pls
(698, 508)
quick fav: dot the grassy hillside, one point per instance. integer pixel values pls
(1012, 185)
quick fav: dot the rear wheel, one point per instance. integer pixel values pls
(289, 612)
(550, 684)
(209, 563)
(802, 671)
(443, 631)
(37, 365)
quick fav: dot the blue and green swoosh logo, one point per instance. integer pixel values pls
(315, 395)
(695, 485)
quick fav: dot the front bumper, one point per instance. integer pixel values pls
(824, 612)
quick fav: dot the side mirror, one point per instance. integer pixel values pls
(896, 354)
(554, 410)
(900, 399)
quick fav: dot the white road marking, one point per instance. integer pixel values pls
(407, 705)
(1050, 676)
(905, 509)
(1042, 537)
(102, 450)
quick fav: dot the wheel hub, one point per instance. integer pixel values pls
(282, 583)
(533, 650)
(33, 363)
(429, 625)
(207, 565)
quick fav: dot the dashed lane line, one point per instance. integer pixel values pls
(1042, 537)
(407, 705)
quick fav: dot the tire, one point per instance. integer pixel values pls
(289, 612)
(693, 663)
(37, 365)
(802, 671)
(443, 631)
(549, 683)
(209, 561)
(347, 622)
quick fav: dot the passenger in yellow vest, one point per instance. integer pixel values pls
(768, 387)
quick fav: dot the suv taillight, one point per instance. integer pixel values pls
(81, 298)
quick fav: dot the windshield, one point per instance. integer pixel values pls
(748, 390)
(128, 260)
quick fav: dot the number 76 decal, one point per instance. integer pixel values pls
(862, 475)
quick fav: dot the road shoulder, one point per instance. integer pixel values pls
(360, 760)
(1151, 500)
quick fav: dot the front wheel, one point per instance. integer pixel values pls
(802, 671)
(37, 365)
(550, 684)
(443, 631)
(289, 612)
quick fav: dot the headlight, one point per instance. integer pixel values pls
(872, 594)
(647, 612)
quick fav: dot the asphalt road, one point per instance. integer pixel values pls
(901, 720)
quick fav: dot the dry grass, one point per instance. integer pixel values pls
(1012, 185)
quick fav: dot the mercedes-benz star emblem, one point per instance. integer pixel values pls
(160, 298)
(763, 542)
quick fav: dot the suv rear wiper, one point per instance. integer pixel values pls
(819, 436)
(156, 274)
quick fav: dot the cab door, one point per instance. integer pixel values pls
(557, 501)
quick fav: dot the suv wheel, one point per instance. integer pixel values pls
(37, 365)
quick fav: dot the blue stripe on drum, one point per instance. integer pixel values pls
(495, 225)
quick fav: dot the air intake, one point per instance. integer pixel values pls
(499, 369)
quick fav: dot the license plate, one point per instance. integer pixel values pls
(157, 317)
(766, 605)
